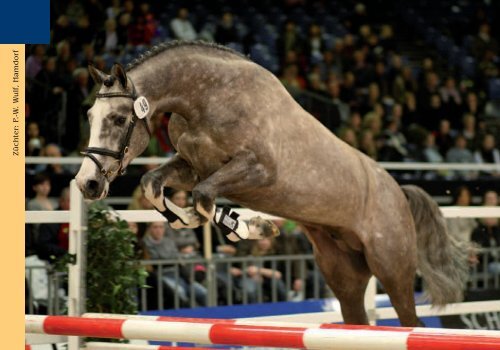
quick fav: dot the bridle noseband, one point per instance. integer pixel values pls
(118, 155)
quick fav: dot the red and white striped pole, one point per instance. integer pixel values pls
(114, 346)
(334, 337)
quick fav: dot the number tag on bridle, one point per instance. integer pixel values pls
(141, 107)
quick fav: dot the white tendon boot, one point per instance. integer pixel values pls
(232, 227)
(236, 229)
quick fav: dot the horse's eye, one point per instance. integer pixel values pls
(120, 120)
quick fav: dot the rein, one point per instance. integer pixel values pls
(118, 155)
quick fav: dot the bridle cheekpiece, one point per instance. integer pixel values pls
(140, 110)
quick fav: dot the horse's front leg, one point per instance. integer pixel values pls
(178, 174)
(243, 173)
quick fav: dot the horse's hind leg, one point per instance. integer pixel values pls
(241, 174)
(345, 271)
(178, 174)
(394, 264)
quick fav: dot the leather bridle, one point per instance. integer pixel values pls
(118, 155)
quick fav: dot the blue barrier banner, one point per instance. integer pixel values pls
(25, 22)
(281, 308)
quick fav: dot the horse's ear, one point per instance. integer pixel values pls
(96, 74)
(118, 72)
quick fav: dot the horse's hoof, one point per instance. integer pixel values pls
(260, 228)
(195, 218)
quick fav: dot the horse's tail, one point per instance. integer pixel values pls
(442, 260)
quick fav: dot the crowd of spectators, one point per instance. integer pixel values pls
(379, 101)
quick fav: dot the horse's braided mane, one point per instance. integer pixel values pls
(157, 49)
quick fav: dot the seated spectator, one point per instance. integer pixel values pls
(487, 235)
(96, 12)
(34, 141)
(225, 31)
(373, 121)
(372, 98)
(139, 200)
(107, 41)
(65, 63)
(395, 69)
(123, 26)
(143, 27)
(159, 247)
(289, 40)
(314, 43)
(396, 114)
(231, 282)
(367, 144)
(469, 130)
(461, 154)
(263, 274)
(184, 238)
(343, 109)
(355, 122)
(488, 154)
(53, 239)
(34, 61)
(461, 228)
(315, 83)
(444, 136)
(430, 151)
(362, 71)
(41, 186)
(348, 89)
(348, 136)
(63, 29)
(127, 10)
(403, 84)
(182, 27)
(484, 41)
(379, 76)
(331, 65)
(114, 9)
(434, 114)
(46, 101)
(292, 241)
(394, 145)
(149, 19)
(387, 38)
(291, 78)
(74, 10)
(77, 94)
(54, 151)
(357, 18)
(410, 115)
(452, 101)
(84, 33)
(472, 105)
(430, 154)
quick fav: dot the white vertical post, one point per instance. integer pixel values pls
(370, 303)
(78, 248)
(207, 252)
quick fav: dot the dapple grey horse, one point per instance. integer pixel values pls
(239, 134)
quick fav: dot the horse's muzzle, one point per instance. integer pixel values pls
(92, 188)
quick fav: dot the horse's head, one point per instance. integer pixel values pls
(119, 131)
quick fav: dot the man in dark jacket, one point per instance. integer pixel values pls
(53, 239)
(487, 235)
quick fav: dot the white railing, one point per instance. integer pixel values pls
(63, 216)
(78, 227)
(385, 165)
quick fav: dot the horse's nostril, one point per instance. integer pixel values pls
(92, 185)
